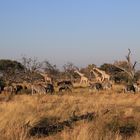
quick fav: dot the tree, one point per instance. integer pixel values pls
(69, 70)
(109, 68)
(137, 75)
(87, 70)
(127, 67)
(32, 65)
(10, 70)
(50, 68)
(6, 64)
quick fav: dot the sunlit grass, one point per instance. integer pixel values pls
(22, 112)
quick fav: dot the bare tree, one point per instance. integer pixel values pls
(50, 68)
(69, 67)
(69, 70)
(129, 69)
(32, 65)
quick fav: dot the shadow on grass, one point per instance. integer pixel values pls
(125, 127)
(47, 127)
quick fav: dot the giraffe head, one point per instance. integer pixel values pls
(95, 68)
(75, 71)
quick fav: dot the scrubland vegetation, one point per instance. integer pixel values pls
(115, 116)
(40, 102)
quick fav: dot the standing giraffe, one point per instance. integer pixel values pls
(46, 77)
(97, 77)
(104, 75)
(83, 79)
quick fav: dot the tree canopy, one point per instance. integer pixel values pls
(6, 64)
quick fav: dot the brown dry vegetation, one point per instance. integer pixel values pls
(115, 115)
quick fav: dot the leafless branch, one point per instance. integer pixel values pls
(128, 56)
(134, 65)
(124, 70)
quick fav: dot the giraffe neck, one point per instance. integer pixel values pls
(101, 72)
(44, 75)
(92, 71)
(82, 75)
(96, 75)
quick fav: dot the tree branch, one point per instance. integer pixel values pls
(124, 70)
(128, 56)
(134, 65)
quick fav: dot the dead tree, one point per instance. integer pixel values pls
(130, 71)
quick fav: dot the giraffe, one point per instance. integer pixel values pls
(97, 77)
(104, 75)
(46, 77)
(83, 79)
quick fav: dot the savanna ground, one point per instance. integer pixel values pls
(80, 115)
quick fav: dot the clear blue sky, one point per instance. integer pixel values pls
(79, 31)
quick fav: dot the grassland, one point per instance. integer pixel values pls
(116, 116)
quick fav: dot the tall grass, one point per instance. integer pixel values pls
(22, 112)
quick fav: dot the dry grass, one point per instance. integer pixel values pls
(22, 112)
